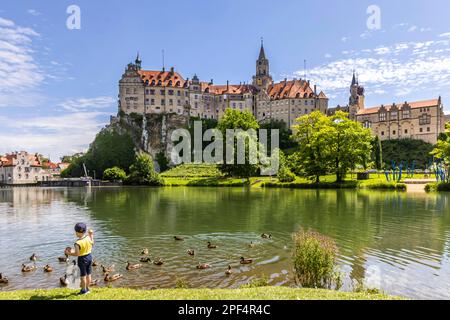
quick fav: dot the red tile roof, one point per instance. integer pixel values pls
(8, 160)
(412, 105)
(292, 89)
(160, 78)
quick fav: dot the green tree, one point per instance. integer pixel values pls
(442, 148)
(109, 149)
(142, 171)
(287, 141)
(407, 151)
(114, 174)
(377, 154)
(349, 144)
(310, 160)
(234, 119)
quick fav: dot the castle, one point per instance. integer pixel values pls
(161, 91)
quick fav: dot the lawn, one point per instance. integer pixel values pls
(261, 293)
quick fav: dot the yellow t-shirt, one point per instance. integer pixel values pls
(85, 245)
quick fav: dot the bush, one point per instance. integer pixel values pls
(194, 171)
(285, 175)
(142, 172)
(441, 186)
(314, 260)
(114, 174)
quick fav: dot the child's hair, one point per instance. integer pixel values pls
(80, 227)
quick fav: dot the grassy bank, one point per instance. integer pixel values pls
(441, 186)
(261, 293)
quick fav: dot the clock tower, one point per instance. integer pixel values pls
(262, 79)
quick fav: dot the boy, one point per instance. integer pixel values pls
(82, 250)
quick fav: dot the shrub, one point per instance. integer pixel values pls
(142, 172)
(441, 186)
(256, 283)
(114, 174)
(285, 175)
(181, 284)
(314, 260)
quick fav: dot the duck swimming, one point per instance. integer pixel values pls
(132, 266)
(26, 268)
(266, 236)
(251, 245)
(145, 259)
(191, 252)
(3, 280)
(64, 259)
(246, 261)
(115, 277)
(203, 266)
(144, 252)
(33, 257)
(228, 271)
(211, 246)
(177, 238)
(158, 262)
(48, 268)
(95, 263)
(107, 269)
(63, 281)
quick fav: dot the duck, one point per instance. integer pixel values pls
(191, 252)
(115, 277)
(64, 259)
(211, 246)
(266, 236)
(107, 269)
(94, 282)
(145, 259)
(26, 268)
(203, 266)
(144, 252)
(178, 238)
(3, 280)
(132, 266)
(251, 245)
(158, 262)
(48, 268)
(95, 263)
(33, 257)
(228, 271)
(246, 261)
(63, 281)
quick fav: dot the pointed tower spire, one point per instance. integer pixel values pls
(262, 54)
(138, 61)
(354, 78)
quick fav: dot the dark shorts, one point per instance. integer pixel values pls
(85, 265)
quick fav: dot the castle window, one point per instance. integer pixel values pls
(382, 116)
(170, 102)
(170, 92)
(406, 131)
(382, 133)
(152, 102)
(127, 91)
(428, 129)
(421, 129)
(163, 92)
(159, 83)
(163, 102)
(394, 132)
(367, 124)
(394, 115)
(135, 91)
(178, 93)
(424, 119)
(406, 114)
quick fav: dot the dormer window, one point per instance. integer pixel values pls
(382, 116)
(406, 114)
(394, 115)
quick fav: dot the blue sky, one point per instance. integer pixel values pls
(58, 87)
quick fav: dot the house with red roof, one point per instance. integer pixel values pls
(22, 168)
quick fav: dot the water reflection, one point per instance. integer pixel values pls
(395, 241)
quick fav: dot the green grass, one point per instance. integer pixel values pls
(193, 171)
(260, 293)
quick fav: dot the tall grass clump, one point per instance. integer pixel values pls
(314, 261)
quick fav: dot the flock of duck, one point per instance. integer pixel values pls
(107, 270)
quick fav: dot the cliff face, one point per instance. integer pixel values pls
(151, 133)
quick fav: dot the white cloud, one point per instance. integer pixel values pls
(34, 12)
(401, 69)
(80, 104)
(19, 72)
(445, 35)
(328, 56)
(344, 39)
(53, 135)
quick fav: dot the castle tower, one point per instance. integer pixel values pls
(138, 62)
(356, 101)
(262, 79)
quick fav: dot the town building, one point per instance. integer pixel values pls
(143, 92)
(22, 168)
